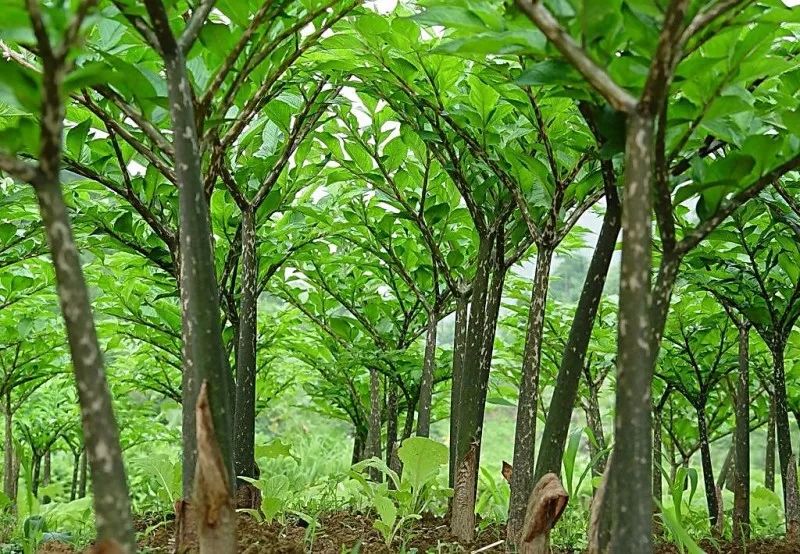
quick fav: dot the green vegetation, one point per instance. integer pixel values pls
(400, 276)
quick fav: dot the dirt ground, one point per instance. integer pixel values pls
(353, 534)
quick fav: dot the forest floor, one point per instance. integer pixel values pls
(345, 532)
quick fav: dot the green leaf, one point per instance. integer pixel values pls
(76, 138)
(422, 458)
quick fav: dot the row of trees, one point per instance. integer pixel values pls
(378, 179)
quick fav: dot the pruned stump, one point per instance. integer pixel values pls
(546, 503)
(185, 538)
(213, 501)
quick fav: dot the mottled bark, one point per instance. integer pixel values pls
(244, 462)
(426, 384)
(9, 485)
(204, 357)
(709, 484)
(741, 440)
(459, 349)
(525, 437)
(631, 511)
(111, 503)
(373, 447)
(784, 439)
(658, 488)
(484, 309)
(769, 455)
(391, 426)
(559, 414)
(595, 423)
(47, 473)
(359, 440)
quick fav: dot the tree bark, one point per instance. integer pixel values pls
(462, 522)
(522, 479)
(741, 440)
(484, 310)
(111, 503)
(244, 462)
(784, 439)
(595, 423)
(36, 471)
(559, 414)
(47, 473)
(76, 469)
(632, 515)
(373, 449)
(459, 349)
(391, 427)
(708, 469)
(8, 451)
(426, 384)
(769, 455)
(82, 478)
(658, 489)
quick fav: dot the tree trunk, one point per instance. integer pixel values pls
(358, 447)
(708, 469)
(391, 427)
(36, 470)
(408, 426)
(525, 437)
(465, 411)
(111, 503)
(658, 490)
(47, 472)
(8, 451)
(76, 469)
(484, 311)
(632, 509)
(426, 384)
(244, 462)
(595, 423)
(769, 455)
(784, 439)
(373, 449)
(459, 348)
(204, 357)
(82, 478)
(741, 441)
(556, 426)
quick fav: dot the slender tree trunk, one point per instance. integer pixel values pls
(391, 427)
(708, 469)
(724, 478)
(358, 447)
(426, 384)
(473, 396)
(47, 474)
(373, 449)
(204, 357)
(8, 451)
(466, 411)
(525, 437)
(632, 508)
(76, 463)
(245, 409)
(36, 470)
(83, 476)
(101, 435)
(741, 441)
(408, 426)
(556, 426)
(459, 349)
(769, 455)
(595, 423)
(658, 490)
(784, 439)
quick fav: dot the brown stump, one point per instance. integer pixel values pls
(546, 503)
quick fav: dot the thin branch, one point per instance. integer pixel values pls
(619, 98)
(192, 29)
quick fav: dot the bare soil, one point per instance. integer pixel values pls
(345, 532)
